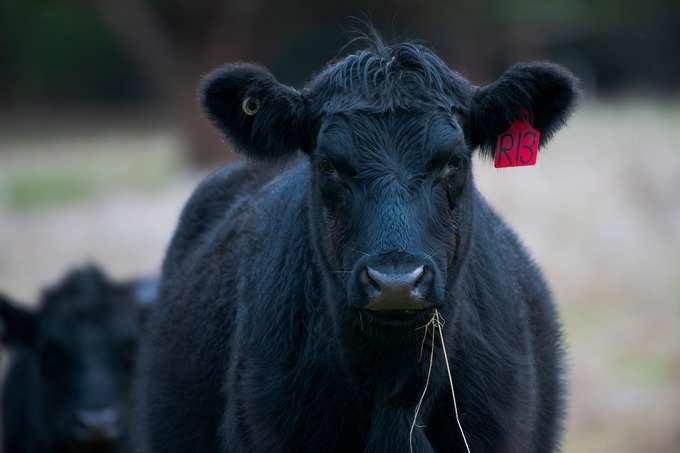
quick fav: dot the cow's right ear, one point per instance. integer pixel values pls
(262, 117)
(17, 325)
(544, 92)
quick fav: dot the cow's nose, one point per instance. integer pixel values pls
(97, 426)
(396, 290)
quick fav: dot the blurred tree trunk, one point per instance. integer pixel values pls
(202, 143)
(174, 56)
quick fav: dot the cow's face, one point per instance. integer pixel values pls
(85, 362)
(389, 191)
(389, 133)
(82, 353)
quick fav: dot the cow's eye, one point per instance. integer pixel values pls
(450, 168)
(327, 168)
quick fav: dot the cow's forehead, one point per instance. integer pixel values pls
(388, 77)
(366, 136)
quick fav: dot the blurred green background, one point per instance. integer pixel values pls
(101, 141)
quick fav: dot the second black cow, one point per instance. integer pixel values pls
(68, 383)
(294, 295)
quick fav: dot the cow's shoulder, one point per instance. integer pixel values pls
(212, 199)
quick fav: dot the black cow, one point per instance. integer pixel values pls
(68, 383)
(294, 293)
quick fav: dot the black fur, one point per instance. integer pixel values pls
(73, 354)
(261, 341)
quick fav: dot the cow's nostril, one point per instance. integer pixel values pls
(396, 291)
(395, 282)
(422, 285)
(372, 286)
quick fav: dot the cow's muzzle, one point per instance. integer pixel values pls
(394, 283)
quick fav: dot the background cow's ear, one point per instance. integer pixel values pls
(17, 325)
(546, 91)
(145, 295)
(255, 112)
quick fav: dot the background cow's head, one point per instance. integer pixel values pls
(390, 133)
(78, 349)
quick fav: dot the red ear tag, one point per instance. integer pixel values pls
(518, 146)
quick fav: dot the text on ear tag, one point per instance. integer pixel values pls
(518, 146)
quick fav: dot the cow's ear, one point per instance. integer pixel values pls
(546, 93)
(17, 325)
(145, 295)
(255, 112)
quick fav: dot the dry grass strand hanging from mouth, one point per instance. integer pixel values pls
(436, 323)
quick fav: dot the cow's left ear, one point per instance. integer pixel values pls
(546, 93)
(145, 295)
(255, 112)
(17, 325)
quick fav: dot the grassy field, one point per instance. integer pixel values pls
(600, 213)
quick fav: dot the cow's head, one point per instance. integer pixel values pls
(390, 133)
(80, 344)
